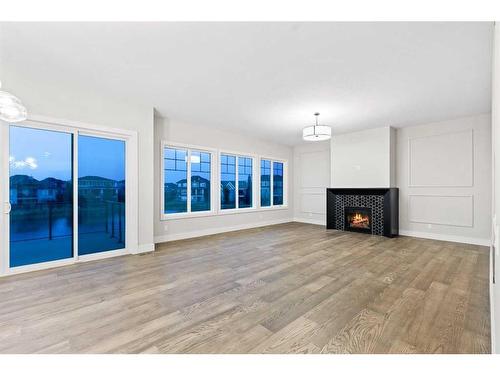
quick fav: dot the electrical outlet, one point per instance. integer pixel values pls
(429, 226)
(165, 227)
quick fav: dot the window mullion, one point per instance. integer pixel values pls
(188, 184)
(255, 164)
(237, 192)
(271, 183)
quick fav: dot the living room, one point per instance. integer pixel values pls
(249, 187)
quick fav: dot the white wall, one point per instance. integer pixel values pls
(62, 101)
(363, 159)
(495, 117)
(444, 179)
(175, 131)
(311, 178)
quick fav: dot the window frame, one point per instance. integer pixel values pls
(215, 203)
(255, 196)
(131, 189)
(273, 206)
(213, 172)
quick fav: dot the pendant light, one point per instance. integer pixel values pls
(316, 132)
(11, 108)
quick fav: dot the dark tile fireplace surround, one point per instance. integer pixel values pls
(373, 211)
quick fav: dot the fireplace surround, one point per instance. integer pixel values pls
(377, 210)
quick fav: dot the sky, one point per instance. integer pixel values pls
(44, 153)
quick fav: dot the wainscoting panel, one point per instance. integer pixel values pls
(312, 177)
(444, 160)
(313, 166)
(313, 203)
(441, 209)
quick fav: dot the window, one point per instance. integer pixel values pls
(236, 175)
(245, 182)
(200, 181)
(175, 184)
(191, 184)
(271, 183)
(227, 181)
(277, 183)
(265, 183)
(187, 180)
(101, 194)
(41, 195)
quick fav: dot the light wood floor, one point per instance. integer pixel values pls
(290, 288)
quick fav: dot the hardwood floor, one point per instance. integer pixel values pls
(290, 288)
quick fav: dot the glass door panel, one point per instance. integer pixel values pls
(101, 194)
(41, 195)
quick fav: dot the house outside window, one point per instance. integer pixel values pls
(198, 181)
(187, 181)
(236, 181)
(272, 193)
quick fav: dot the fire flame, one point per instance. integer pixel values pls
(359, 219)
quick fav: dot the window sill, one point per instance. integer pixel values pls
(272, 208)
(187, 215)
(232, 211)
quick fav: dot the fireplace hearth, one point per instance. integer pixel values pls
(373, 211)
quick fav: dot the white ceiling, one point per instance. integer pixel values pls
(267, 79)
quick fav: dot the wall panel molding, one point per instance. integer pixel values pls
(430, 155)
(450, 210)
(313, 203)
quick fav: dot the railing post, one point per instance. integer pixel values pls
(112, 220)
(50, 220)
(106, 218)
(119, 222)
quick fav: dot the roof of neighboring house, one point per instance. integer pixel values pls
(94, 178)
(51, 182)
(228, 185)
(194, 178)
(22, 179)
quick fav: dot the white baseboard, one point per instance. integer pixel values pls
(145, 248)
(208, 232)
(492, 305)
(446, 237)
(309, 221)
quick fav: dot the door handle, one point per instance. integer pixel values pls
(7, 208)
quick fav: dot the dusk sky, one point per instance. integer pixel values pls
(42, 154)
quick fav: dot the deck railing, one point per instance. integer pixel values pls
(51, 220)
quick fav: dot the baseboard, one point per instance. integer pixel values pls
(208, 232)
(446, 237)
(493, 337)
(145, 248)
(309, 221)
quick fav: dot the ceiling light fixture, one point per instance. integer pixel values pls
(317, 132)
(11, 108)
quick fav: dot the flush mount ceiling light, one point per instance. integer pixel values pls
(317, 132)
(11, 108)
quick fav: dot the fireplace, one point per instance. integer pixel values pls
(368, 210)
(358, 219)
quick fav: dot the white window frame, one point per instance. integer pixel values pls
(131, 189)
(215, 190)
(255, 196)
(213, 173)
(285, 184)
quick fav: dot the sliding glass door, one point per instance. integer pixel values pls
(41, 195)
(101, 194)
(64, 195)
